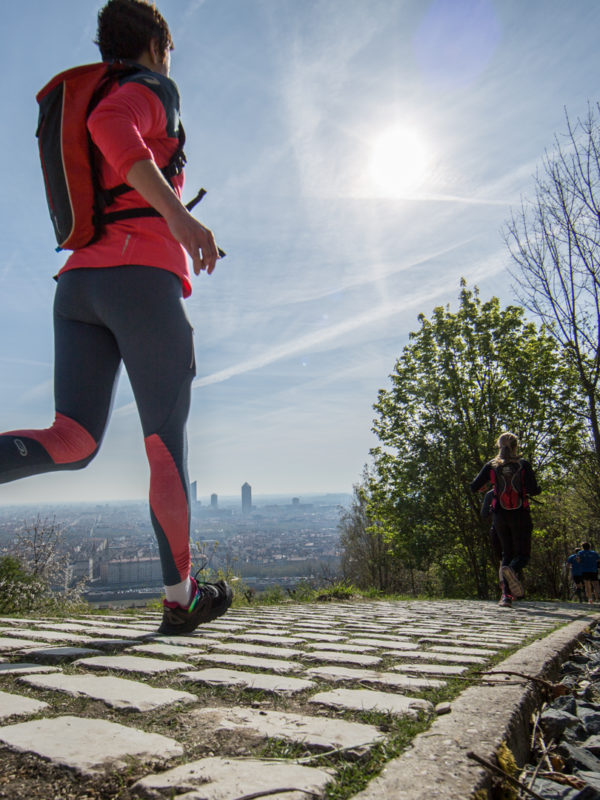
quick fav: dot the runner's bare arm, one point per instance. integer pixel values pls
(145, 177)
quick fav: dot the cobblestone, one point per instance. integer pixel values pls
(386, 655)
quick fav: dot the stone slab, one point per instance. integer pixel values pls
(109, 619)
(256, 649)
(146, 666)
(240, 660)
(17, 705)
(187, 641)
(105, 631)
(160, 649)
(76, 627)
(224, 625)
(445, 670)
(122, 693)
(316, 624)
(249, 680)
(345, 647)
(264, 639)
(467, 651)
(108, 645)
(390, 644)
(226, 778)
(343, 658)
(87, 745)
(318, 732)
(371, 700)
(452, 641)
(50, 636)
(8, 644)
(21, 668)
(391, 679)
(56, 655)
(440, 658)
(321, 637)
(270, 630)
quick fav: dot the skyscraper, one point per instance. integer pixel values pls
(214, 501)
(246, 498)
(194, 491)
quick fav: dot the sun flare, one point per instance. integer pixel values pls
(400, 161)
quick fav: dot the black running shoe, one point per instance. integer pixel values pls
(211, 600)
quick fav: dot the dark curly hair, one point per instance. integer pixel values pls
(125, 28)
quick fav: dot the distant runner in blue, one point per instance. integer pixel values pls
(589, 563)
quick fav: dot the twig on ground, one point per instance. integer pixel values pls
(545, 749)
(554, 689)
(267, 792)
(505, 775)
(536, 722)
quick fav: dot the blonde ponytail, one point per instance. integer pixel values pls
(508, 445)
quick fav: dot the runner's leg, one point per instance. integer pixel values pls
(86, 364)
(144, 309)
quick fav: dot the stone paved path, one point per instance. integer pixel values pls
(97, 693)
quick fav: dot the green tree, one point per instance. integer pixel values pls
(367, 560)
(462, 379)
(370, 559)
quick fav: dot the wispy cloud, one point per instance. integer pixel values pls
(377, 272)
(26, 362)
(316, 339)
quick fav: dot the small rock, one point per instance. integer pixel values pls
(554, 722)
(443, 708)
(578, 757)
(551, 790)
(592, 743)
(591, 778)
(590, 717)
(565, 703)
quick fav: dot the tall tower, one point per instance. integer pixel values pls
(246, 498)
(194, 491)
(214, 501)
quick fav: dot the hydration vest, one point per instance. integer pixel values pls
(76, 202)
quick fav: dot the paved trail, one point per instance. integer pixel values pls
(95, 694)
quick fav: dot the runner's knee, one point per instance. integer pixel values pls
(66, 442)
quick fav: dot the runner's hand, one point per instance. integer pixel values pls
(198, 240)
(145, 177)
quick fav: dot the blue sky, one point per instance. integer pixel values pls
(334, 243)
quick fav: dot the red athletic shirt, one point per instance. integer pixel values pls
(136, 121)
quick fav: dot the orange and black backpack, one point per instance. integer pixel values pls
(76, 202)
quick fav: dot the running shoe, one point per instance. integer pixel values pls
(211, 600)
(505, 601)
(515, 586)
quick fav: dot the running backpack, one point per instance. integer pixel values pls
(75, 201)
(509, 485)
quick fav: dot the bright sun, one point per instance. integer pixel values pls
(400, 161)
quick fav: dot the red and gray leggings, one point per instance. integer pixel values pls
(136, 315)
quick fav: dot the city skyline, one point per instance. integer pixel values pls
(359, 159)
